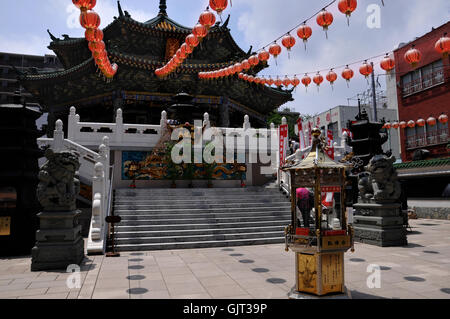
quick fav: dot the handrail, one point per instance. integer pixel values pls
(108, 209)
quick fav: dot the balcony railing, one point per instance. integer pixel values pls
(434, 137)
(423, 83)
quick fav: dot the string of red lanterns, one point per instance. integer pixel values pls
(431, 121)
(206, 20)
(90, 21)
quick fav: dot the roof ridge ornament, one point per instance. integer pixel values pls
(162, 8)
(119, 8)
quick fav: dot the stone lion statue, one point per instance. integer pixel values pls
(58, 186)
(380, 182)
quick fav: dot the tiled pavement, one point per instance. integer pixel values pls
(421, 270)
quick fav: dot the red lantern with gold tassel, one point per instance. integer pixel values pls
(347, 74)
(278, 82)
(295, 81)
(275, 51)
(253, 60)
(413, 56)
(200, 31)
(387, 64)
(270, 81)
(245, 65)
(192, 40)
(288, 42)
(263, 55)
(89, 19)
(318, 79)
(331, 77)
(93, 35)
(324, 19)
(304, 32)
(286, 81)
(84, 5)
(97, 46)
(443, 45)
(347, 7)
(207, 18)
(218, 5)
(366, 69)
(306, 81)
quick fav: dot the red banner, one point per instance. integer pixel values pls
(283, 133)
(330, 151)
(301, 134)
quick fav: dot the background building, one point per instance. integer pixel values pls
(424, 92)
(24, 63)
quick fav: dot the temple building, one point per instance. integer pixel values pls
(139, 48)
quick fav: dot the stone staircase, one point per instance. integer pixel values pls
(155, 219)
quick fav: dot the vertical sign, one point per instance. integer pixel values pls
(283, 138)
(309, 133)
(330, 151)
(301, 134)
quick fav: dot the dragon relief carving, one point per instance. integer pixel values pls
(58, 186)
(379, 182)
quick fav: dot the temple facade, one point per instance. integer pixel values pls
(139, 48)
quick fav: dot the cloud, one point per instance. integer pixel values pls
(24, 44)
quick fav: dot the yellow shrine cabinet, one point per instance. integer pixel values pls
(318, 234)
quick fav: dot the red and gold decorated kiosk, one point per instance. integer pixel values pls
(320, 242)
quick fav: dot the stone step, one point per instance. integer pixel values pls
(206, 191)
(185, 197)
(201, 226)
(177, 211)
(197, 238)
(200, 244)
(188, 215)
(211, 220)
(196, 204)
(194, 232)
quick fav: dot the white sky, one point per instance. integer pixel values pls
(253, 22)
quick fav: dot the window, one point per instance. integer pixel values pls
(423, 78)
(8, 198)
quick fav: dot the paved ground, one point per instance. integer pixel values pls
(420, 270)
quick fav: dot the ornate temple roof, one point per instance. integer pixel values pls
(139, 48)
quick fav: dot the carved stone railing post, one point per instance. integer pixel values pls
(119, 126)
(163, 122)
(58, 137)
(246, 124)
(72, 123)
(206, 122)
(97, 202)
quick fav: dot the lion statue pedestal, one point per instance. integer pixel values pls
(59, 242)
(378, 218)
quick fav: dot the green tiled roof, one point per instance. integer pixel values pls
(426, 163)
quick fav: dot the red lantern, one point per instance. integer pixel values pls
(324, 19)
(251, 78)
(186, 48)
(331, 77)
(275, 50)
(366, 69)
(288, 42)
(93, 35)
(263, 81)
(218, 5)
(97, 46)
(387, 63)
(253, 60)
(286, 81)
(443, 119)
(257, 80)
(347, 74)
(245, 77)
(347, 7)
(270, 81)
(112, 71)
(411, 124)
(246, 65)
(241, 75)
(200, 31)
(395, 125)
(443, 45)
(207, 18)
(387, 125)
(180, 55)
(306, 80)
(295, 81)
(421, 122)
(431, 121)
(304, 32)
(263, 55)
(318, 79)
(89, 20)
(278, 82)
(413, 56)
(192, 40)
(237, 68)
(402, 124)
(84, 5)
